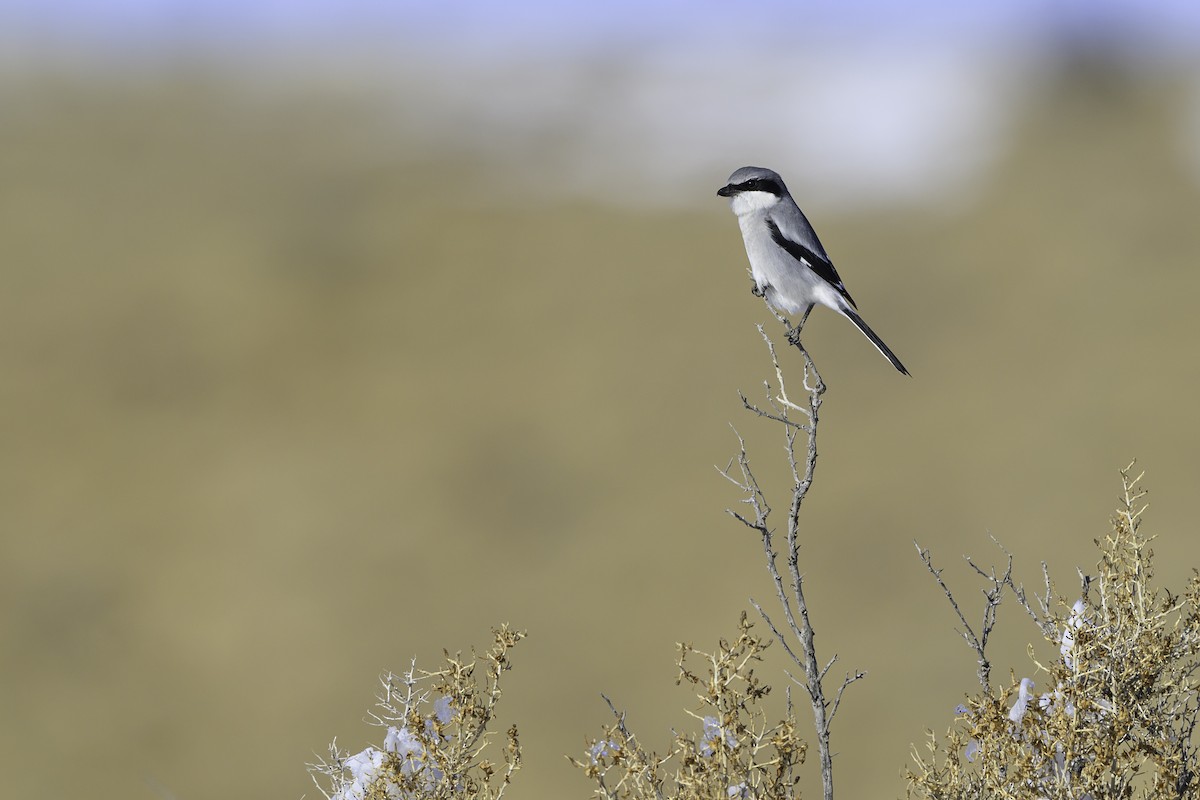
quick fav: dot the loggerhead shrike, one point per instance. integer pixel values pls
(788, 263)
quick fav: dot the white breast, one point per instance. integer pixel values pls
(789, 285)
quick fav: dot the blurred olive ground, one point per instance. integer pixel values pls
(286, 403)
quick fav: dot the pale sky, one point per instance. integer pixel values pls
(861, 101)
(552, 24)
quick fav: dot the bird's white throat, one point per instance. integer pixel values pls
(748, 202)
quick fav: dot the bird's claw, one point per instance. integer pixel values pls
(757, 290)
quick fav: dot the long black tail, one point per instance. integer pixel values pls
(853, 316)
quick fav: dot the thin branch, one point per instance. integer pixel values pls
(1041, 615)
(783, 640)
(977, 642)
(849, 679)
(800, 645)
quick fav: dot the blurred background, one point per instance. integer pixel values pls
(333, 334)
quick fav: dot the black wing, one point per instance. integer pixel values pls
(819, 265)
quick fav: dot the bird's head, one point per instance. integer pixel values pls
(753, 188)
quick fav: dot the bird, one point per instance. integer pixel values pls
(790, 268)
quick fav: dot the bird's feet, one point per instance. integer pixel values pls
(793, 334)
(757, 290)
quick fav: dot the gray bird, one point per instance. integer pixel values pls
(788, 263)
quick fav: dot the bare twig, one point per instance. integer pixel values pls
(1042, 615)
(849, 679)
(799, 643)
(993, 595)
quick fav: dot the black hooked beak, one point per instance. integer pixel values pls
(727, 191)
